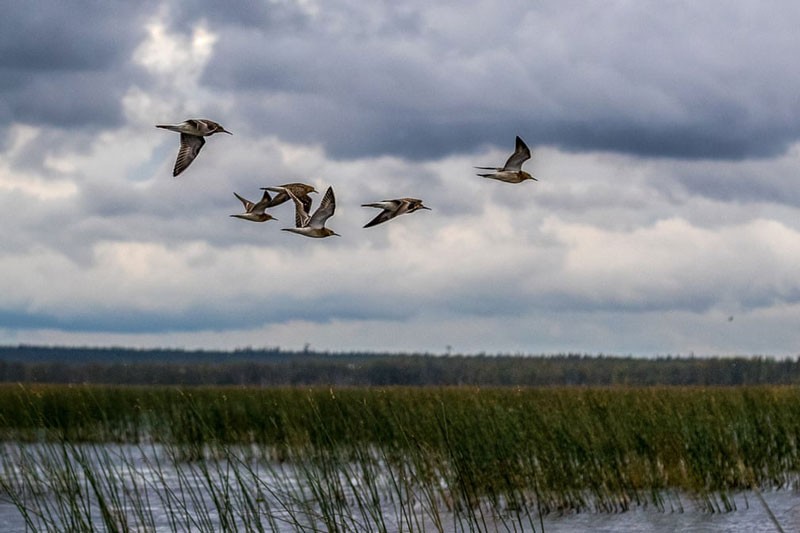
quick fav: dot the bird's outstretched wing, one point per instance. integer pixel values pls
(521, 154)
(190, 147)
(248, 205)
(382, 217)
(325, 210)
(301, 218)
(262, 204)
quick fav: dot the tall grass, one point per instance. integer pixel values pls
(405, 459)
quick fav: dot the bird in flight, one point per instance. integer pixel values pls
(255, 211)
(192, 132)
(393, 208)
(314, 225)
(300, 190)
(512, 171)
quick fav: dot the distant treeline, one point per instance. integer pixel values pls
(273, 366)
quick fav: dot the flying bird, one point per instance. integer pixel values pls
(314, 225)
(192, 132)
(512, 171)
(300, 190)
(393, 208)
(255, 211)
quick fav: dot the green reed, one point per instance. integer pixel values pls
(367, 459)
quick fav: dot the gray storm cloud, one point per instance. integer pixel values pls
(424, 81)
(66, 65)
(691, 82)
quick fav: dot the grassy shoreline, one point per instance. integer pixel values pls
(528, 451)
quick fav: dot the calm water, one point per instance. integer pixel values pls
(171, 491)
(753, 520)
(785, 505)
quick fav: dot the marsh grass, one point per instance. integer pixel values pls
(87, 458)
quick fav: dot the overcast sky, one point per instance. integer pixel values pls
(665, 138)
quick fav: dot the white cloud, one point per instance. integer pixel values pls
(174, 57)
(16, 179)
(673, 264)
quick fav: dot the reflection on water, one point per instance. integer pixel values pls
(149, 487)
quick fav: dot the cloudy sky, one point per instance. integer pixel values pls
(665, 137)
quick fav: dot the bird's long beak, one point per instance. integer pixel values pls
(426, 207)
(226, 131)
